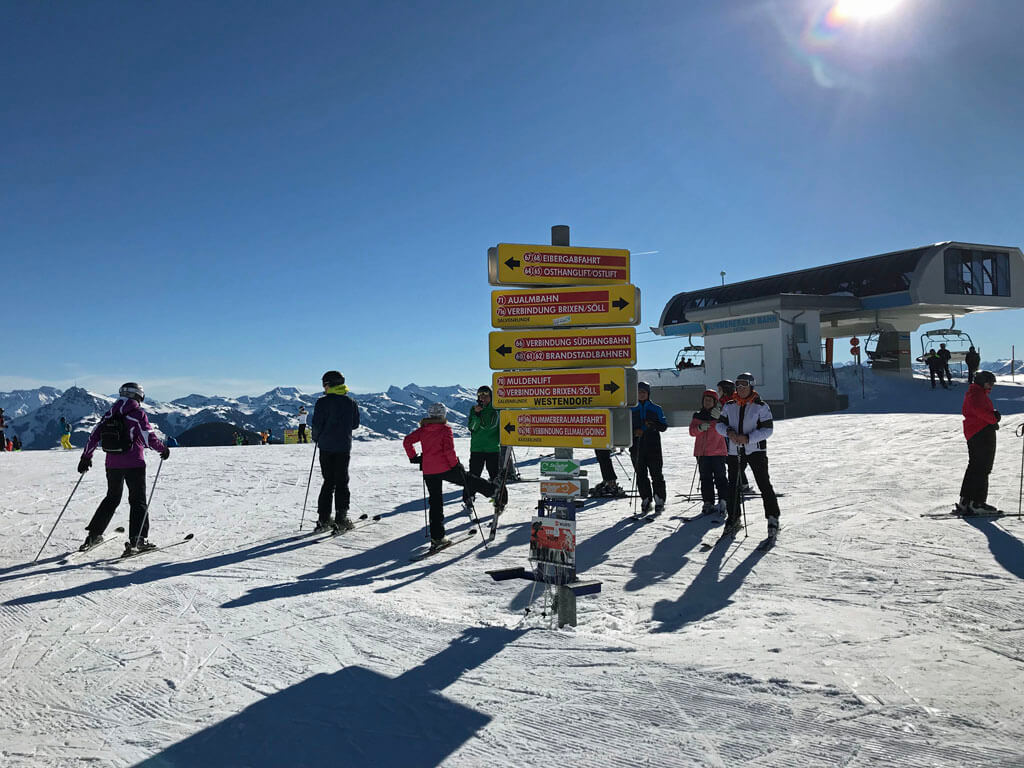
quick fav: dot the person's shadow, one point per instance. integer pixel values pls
(352, 717)
(1006, 548)
(706, 594)
(669, 555)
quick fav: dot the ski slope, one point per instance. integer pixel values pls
(869, 637)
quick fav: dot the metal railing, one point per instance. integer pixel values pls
(811, 372)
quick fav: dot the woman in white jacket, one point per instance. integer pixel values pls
(747, 422)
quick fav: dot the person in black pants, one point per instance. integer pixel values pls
(335, 415)
(648, 424)
(945, 356)
(981, 420)
(973, 360)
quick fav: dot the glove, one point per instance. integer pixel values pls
(998, 415)
(704, 426)
(165, 454)
(83, 465)
(716, 411)
(416, 460)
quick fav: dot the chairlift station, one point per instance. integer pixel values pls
(774, 327)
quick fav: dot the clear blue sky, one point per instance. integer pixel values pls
(223, 197)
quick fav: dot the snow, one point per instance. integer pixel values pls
(869, 637)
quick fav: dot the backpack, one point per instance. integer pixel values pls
(114, 436)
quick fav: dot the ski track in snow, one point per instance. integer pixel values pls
(868, 637)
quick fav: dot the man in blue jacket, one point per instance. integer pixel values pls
(335, 415)
(648, 424)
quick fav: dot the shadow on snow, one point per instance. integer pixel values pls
(1006, 548)
(354, 716)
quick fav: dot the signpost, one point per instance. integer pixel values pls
(573, 388)
(594, 306)
(511, 264)
(574, 385)
(572, 348)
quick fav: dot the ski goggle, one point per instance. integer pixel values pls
(485, 393)
(742, 383)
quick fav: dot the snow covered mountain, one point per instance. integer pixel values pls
(23, 401)
(389, 414)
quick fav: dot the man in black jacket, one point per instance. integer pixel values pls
(945, 356)
(335, 415)
(973, 360)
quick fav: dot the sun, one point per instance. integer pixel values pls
(862, 9)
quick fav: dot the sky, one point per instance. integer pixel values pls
(226, 197)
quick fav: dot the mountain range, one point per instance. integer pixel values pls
(34, 415)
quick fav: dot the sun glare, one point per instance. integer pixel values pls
(862, 9)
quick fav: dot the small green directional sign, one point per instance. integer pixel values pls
(559, 467)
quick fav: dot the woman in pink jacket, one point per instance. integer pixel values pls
(439, 462)
(710, 450)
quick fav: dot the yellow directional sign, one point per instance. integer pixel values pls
(574, 348)
(590, 428)
(591, 305)
(511, 264)
(573, 388)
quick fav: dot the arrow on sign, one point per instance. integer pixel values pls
(611, 386)
(512, 263)
(510, 428)
(620, 303)
(503, 350)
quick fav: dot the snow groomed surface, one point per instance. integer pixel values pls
(869, 636)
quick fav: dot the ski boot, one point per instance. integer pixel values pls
(342, 524)
(773, 529)
(436, 544)
(732, 527)
(645, 506)
(323, 526)
(90, 542)
(659, 505)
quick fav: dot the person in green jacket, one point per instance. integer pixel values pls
(483, 442)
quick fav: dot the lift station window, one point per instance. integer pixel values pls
(977, 273)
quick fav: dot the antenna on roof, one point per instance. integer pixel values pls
(723, 277)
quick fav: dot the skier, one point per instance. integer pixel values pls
(726, 391)
(945, 356)
(65, 437)
(747, 421)
(935, 367)
(3, 427)
(648, 424)
(710, 450)
(981, 420)
(973, 360)
(483, 442)
(16, 443)
(609, 486)
(439, 463)
(303, 417)
(335, 415)
(124, 433)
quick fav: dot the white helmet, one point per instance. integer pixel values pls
(132, 390)
(437, 411)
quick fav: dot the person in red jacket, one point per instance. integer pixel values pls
(710, 450)
(439, 463)
(981, 420)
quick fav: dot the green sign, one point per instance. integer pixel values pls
(559, 467)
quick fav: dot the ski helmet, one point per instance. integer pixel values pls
(483, 389)
(981, 378)
(437, 411)
(132, 390)
(644, 386)
(709, 393)
(747, 377)
(727, 386)
(333, 379)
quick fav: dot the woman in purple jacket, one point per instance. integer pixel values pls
(125, 433)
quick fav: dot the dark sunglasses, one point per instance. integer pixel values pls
(742, 383)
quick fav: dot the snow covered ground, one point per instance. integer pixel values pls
(869, 637)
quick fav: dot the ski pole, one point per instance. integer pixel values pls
(309, 481)
(152, 490)
(80, 476)
(1020, 493)
(743, 501)
(426, 520)
(693, 479)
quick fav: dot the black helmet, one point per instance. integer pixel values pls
(332, 379)
(132, 390)
(747, 377)
(483, 389)
(981, 378)
(727, 386)
(644, 386)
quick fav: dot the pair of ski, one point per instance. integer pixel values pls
(956, 514)
(128, 552)
(645, 517)
(765, 545)
(364, 520)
